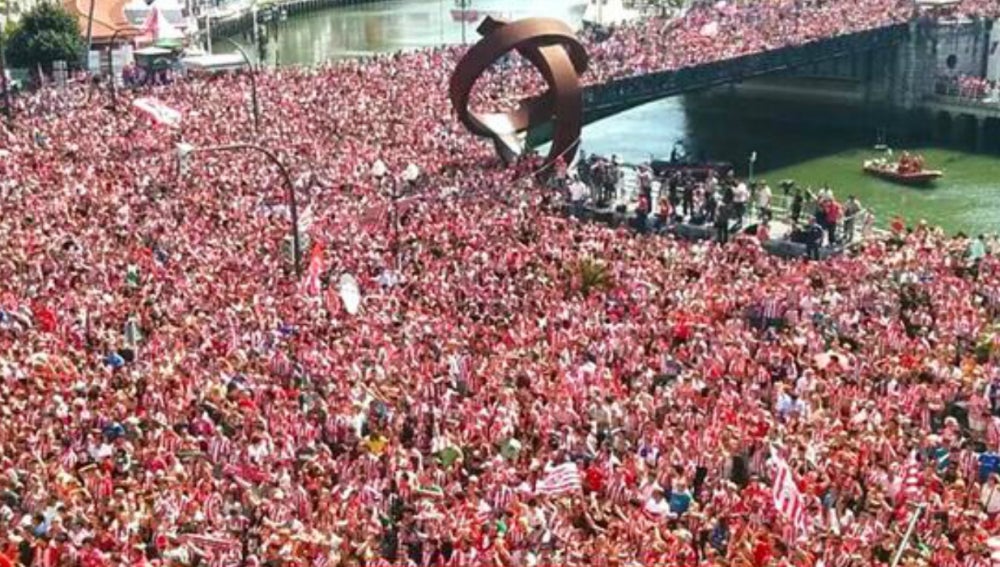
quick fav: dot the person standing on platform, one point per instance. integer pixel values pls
(814, 239)
(764, 195)
(852, 209)
(722, 217)
(741, 195)
(796, 209)
(687, 207)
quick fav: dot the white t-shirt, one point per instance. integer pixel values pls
(741, 194)
(656, 508)
(764, 197)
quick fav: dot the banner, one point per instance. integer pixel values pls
(560, 480)
(159, 112)
(788, 501)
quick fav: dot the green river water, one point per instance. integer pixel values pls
(789, 141)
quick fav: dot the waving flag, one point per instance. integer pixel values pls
(710, 29)
(909, 479)
(993, 545)
(159, 112)
(311, 286)
(788, 501)
(350, 293)
(562, 479)
(148, 32)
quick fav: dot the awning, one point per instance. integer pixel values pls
(216, 62)
(152, 51)
(937, 3)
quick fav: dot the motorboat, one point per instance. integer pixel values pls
(907, 171)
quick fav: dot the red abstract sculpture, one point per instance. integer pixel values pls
(553, 49)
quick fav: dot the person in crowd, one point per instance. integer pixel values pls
(740, 197)
(852, 214)
(724, 214)
(763, 198)
(462, 375)
(814, 232)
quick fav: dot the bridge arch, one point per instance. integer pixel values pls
(991, 135)
(966, 130)
(943, 126)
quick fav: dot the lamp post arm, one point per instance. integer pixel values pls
(253, 84)
(290, 187)
(7, 109)
(111, 64)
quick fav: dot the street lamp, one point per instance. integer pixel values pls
(410, 175)
(185, 150)
(111, 64)
(465, 6)
(7, 109)
(253, 84)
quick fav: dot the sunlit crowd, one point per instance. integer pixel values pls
(505, 385)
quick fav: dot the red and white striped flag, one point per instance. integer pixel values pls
(993, 544)
(993, 434)
(562, 479)
(910, 482)
(788, 501)
(216, 547)
(158, 112)
(311, 284)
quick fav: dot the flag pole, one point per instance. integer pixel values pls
(909, 533)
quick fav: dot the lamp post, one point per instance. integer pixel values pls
(185, 150)
(253, 84)
(409, 176)
(7, 109)
(111, 64)
(465, 5)
(90, 35)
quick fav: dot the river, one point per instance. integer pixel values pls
(787, 147)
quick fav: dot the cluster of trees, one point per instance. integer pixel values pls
(46, 33)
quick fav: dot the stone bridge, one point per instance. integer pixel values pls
(893, 66)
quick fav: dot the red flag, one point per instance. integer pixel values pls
(311, 285)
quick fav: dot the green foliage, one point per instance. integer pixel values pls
(592, 275)
(45, 34)
(985, 346)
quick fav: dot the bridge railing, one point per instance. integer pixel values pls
(667, 83)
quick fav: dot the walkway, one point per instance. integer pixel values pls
(963, 105)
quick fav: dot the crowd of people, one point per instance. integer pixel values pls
(515, 388)
(965, 86)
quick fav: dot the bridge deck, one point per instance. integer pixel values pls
(616, 96)
(960, 105)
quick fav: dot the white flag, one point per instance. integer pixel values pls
(350, 293)
(159, 112)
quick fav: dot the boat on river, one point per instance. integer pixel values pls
(907, 171)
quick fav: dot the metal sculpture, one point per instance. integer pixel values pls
(554, 51)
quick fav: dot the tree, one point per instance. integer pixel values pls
(47, 33)
(590, 275)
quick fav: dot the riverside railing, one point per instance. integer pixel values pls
(635, 90)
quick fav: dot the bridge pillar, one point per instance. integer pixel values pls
(868, 76)
(980, 133)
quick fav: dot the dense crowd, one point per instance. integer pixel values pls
(726, 29)
(174, 395)
(965, 86)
